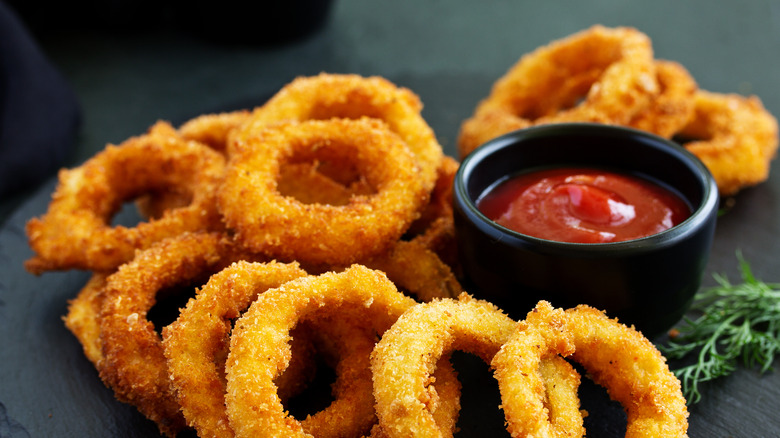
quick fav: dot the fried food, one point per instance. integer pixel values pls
(83, 317)
(76, 230)
(614, 81)
(215, 129)
(259, 347)
(617, 357)
(672, 108)
(406, 356)
(735, 137)
(613, 72)
(349, 96)
(285, 228)
(133, 364)
(435, 229)
(196, 344)
(417, 271)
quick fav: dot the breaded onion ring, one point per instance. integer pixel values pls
(133, 364)
(214, 130)
(327, 96)
(283, 227)
(259, 347)
(735, 137)
(435, 229)
(610, 69)
(405, 357)
(196, 344)
(672, 108)
(617, 357)
(76, 231)
(442, 400)
(417, 270)
(83, 317)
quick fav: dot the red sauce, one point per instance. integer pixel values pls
(583, 205)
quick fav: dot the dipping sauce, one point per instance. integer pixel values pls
(583, 205)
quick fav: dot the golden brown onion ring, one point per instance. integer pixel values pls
(214, 130)
(417, 270)
(196, 344)
(672, 108)
(83, 317)
(285, 228)
(610, 69)
(617, 357)
(406, 356)
(259, 346)
(735, 137)
(76, 231)
(350, 96)
(134, 365)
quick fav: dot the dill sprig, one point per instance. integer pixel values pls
(737, 322)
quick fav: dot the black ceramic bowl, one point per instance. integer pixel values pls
(648, 282)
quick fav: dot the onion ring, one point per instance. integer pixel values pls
(672, 108)
(403, 359)
(327, 96)
(195, 342)
(435, 229)
(417, 271)
(133, 364)
(75, 231)
(735, 137)
(258, 345)
(616, 356)
(214, 130)
(83, 317)
(616, 79)
(285, 228)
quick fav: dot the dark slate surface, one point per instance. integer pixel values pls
(447, 52)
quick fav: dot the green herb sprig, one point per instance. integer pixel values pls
(737, 322)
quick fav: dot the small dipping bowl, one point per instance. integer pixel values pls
(647, 282)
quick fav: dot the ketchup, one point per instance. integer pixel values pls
(583, 205)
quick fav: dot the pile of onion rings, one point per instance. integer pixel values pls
(608, 75)
(343, 155)
(315, 230)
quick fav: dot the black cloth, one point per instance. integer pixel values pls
(39, 112)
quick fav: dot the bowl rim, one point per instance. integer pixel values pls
(699, 216)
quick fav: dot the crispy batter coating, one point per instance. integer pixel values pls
(407, 354)
(417, 271)
(259, 347)
(616, 356)
(134, 365)
(350, 96)
(76, 230)
(283, 227)
(435, 229)
(672, 108)
(196, 344)
(735, 137)
(610, 69)
(83, 317)
(214, 130)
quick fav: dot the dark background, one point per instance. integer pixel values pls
(132, 65)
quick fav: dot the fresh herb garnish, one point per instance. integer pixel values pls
(737, 322)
